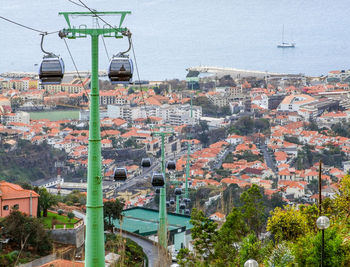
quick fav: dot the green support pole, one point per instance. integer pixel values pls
(191, 103)
(163, 224)
(94, 243)
(163, 231)
(94, 240)
(187, 168)
(177, 204)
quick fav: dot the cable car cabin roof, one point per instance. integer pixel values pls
(171, 165)
(178, 191)
(120, 174)
(146, 162)
(120, 70)
(51, 70)
(158, 180)
(187, 200)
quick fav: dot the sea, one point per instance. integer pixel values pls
(169, 36)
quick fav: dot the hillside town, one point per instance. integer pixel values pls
(279, 133)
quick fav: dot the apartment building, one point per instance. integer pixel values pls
(170, 114)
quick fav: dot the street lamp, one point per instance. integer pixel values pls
(251, 263)
(322, 224)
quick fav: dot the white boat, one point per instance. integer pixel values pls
(283, 44)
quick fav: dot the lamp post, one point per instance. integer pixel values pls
(251, 263)
(322, 224)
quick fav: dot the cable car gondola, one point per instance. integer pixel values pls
(182, 206)
(187, 212)
(146, 162)
(187, 200)
(178, 191)
(167, 204)
(51, 69)
(158, 180)
(172, 201)
(120, 69)
(171, 165)
(120, 174)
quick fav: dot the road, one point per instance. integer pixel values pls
(230, 149)
(146, 173)
(148, 247)
(267, 157)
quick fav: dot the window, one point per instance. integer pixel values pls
(16, 206)
(6, 207)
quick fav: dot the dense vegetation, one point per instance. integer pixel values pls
(292, 240)
(331, 155)
(209, 109)
(28, 239)
(247, 125)
(28, 162)
(131, 253)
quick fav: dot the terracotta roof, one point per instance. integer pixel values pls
(13, 191)
(218, 214)
(63, 263)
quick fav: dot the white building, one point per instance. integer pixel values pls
(21, 117)
(171, 114)
(295, 102)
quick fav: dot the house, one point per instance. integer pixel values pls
(294, 188)
(14, 196)
(217, 216)
(235, 139)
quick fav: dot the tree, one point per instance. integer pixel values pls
(250, 248)
(287, 224)
(185, 258)
(131, 91)
(131, 142)
(112, 210)
(46, 201)
(75, 197)
(342, 200)
(307, 249)
(281, 256)
(230, 234)
(25, 231)
(70, 215)
(253, 208)
(226, 80)
(204, 235)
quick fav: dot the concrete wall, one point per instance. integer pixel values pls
(40, 261)
(73, 237)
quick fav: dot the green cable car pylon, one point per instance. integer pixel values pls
(94, 238)
(163, 224)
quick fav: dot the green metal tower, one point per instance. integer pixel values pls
(163, 224)
(187, 168)
(94, 242)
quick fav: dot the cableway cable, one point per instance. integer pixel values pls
(27, 27)
(76, 69)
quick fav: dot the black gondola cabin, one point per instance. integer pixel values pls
(146, 162)
(120, 70)
(120, 174)
(51, 70)
(158, 180)
(171, 165)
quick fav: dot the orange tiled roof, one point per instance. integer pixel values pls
(63, 263)
(13, 191)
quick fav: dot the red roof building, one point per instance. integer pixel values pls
(14, 196)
